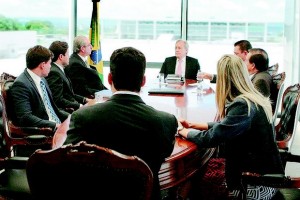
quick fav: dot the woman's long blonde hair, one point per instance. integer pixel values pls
(233, 81)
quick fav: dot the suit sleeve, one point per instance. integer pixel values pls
(163, 67)
(198, 65)
(56, 85)
(214, 80)
(235, 123)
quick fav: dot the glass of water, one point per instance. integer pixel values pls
(161, 78)
(199, 83)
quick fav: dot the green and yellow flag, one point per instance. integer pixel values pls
(95, 58)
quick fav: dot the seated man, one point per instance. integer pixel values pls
(84, 78)
(241, 49)
(124, 122)
(59, 83)
(31, 96)
(181, 64)
(257, 62)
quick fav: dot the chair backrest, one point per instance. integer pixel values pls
(5, 86)
(6, 76)
(276, 90)
(85, 171)
(278, 100)
(291, 141)
(273, 69)
(290, 98)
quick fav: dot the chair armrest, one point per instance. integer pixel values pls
(15, 162)
(283, 144)
(270, 180)
(26, 131)
(293, 158)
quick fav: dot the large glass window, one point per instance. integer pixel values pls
(26, 23)
(226, 22)
(151, 26)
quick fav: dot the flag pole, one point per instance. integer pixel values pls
(95, 59)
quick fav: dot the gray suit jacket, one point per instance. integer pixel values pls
(262, 81)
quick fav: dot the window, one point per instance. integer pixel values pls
(151, 26)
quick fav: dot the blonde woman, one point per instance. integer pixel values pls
(244, 128)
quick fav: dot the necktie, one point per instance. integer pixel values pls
(87, 64)
(179, 68)
(48, 103)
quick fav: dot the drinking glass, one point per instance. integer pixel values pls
(199, 83)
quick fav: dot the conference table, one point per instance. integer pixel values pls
(186, 159)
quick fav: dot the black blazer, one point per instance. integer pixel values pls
(126, 124)
(235, 131)
(191, 67)
(62, 90)
(85, 81)
(29, 109)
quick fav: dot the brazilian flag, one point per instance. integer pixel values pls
(95, 58)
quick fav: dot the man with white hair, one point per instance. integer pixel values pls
(181, 64)
(84, 78)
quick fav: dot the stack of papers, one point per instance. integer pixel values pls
(166, 90)
(173, 78)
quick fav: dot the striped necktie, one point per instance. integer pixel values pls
(48, 103)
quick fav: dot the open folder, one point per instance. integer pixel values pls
(166, 90)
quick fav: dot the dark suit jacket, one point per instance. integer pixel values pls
(214, 80)
(262, 81)
(85, 81)
(236, 130)
(125, 123)
(62, 90)
(191, 67)
(29, 109)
